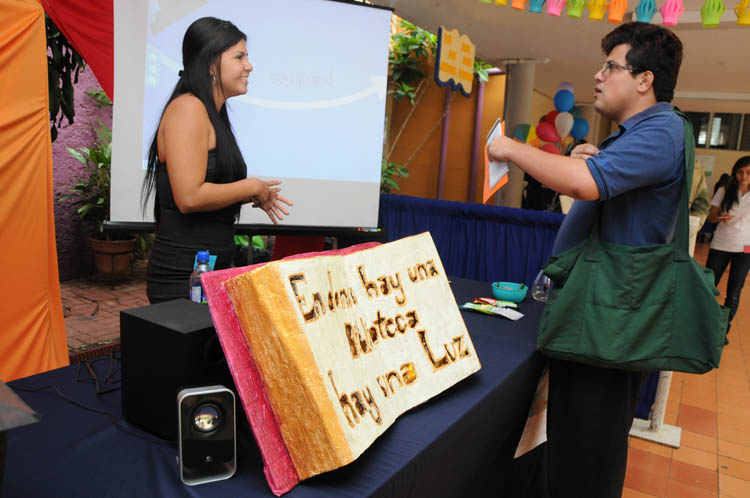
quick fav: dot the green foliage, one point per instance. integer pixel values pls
(402, 90)
(143, 244)
(409, 48)
(480, 69)
(90, 193)
(387, 171)
(242, 240)
(63, 66)
(100, 98)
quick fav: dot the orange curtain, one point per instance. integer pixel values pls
(32, 330)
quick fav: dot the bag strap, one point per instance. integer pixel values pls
(681, 237)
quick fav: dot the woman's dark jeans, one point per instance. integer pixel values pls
(740, 264)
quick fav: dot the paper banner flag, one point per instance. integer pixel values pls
(454, 64)
(575, 8)
(671, 11)
(743, 13)
(645, 11)
(711, 13)
(555, 7)
(495, 173)
(597, 8)
(617, 9)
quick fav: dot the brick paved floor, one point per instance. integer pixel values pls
(92, 308)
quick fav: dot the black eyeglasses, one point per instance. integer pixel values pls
(607, 66)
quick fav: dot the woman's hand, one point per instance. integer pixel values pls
(725, 217)
(268, 188)
(273, 205)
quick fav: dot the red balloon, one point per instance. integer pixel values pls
(550, 116)
(550, 148)
(547, 132)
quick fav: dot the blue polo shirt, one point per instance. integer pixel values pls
(640, 173)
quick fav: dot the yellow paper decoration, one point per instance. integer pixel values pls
(617, 9)
(455, 60)
(597, 8)
(743, 13)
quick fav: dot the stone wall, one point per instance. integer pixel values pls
(73, 253)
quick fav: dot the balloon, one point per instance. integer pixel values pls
(532, 134)
(547, 132)
(565, 85)
(550, 148)
(566, 141)
(550, 117)
(580, 128)
(534, 143)
(564, 100)
(575, 111)
(563, 123)
(522, 131)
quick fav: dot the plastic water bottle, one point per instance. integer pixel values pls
(196, 288)
(541, 287)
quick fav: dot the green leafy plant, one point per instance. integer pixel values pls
(100, 98)
(410, 47)
(388, 170)
(90, 193)
(480, 70)
(63, 66)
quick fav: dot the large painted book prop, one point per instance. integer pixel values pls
(328, 351)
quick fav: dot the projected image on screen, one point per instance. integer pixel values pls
(313, 115)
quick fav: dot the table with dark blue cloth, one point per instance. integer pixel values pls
(460, 443)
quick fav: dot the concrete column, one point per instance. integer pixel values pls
(518, 94)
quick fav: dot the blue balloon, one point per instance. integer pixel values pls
(580, 128)
(564, 100)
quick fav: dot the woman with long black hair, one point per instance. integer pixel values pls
(730, 246)
(195, 166)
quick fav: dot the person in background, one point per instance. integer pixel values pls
(195, 167)
(631, 184)
(707, 229)
(730, 246)
(723, 181)
(699, 204)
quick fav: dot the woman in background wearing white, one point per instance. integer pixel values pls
(730, 208)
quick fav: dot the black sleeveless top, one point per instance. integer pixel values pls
(180, 236)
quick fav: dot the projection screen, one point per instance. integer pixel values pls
(313, 116)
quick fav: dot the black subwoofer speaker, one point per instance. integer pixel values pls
(165, 348)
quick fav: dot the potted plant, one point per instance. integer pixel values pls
(90, 196)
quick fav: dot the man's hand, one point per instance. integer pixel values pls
(584, 151)
(500, 148)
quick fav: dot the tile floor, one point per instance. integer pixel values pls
(713, 410)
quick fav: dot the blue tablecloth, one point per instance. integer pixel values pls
(460, 443)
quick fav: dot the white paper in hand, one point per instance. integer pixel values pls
(497, 169)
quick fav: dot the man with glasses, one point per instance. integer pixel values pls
(636, 176)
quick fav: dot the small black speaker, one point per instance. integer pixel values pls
(207, 448)
(165, 348)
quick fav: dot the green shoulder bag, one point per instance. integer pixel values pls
(635, 307)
